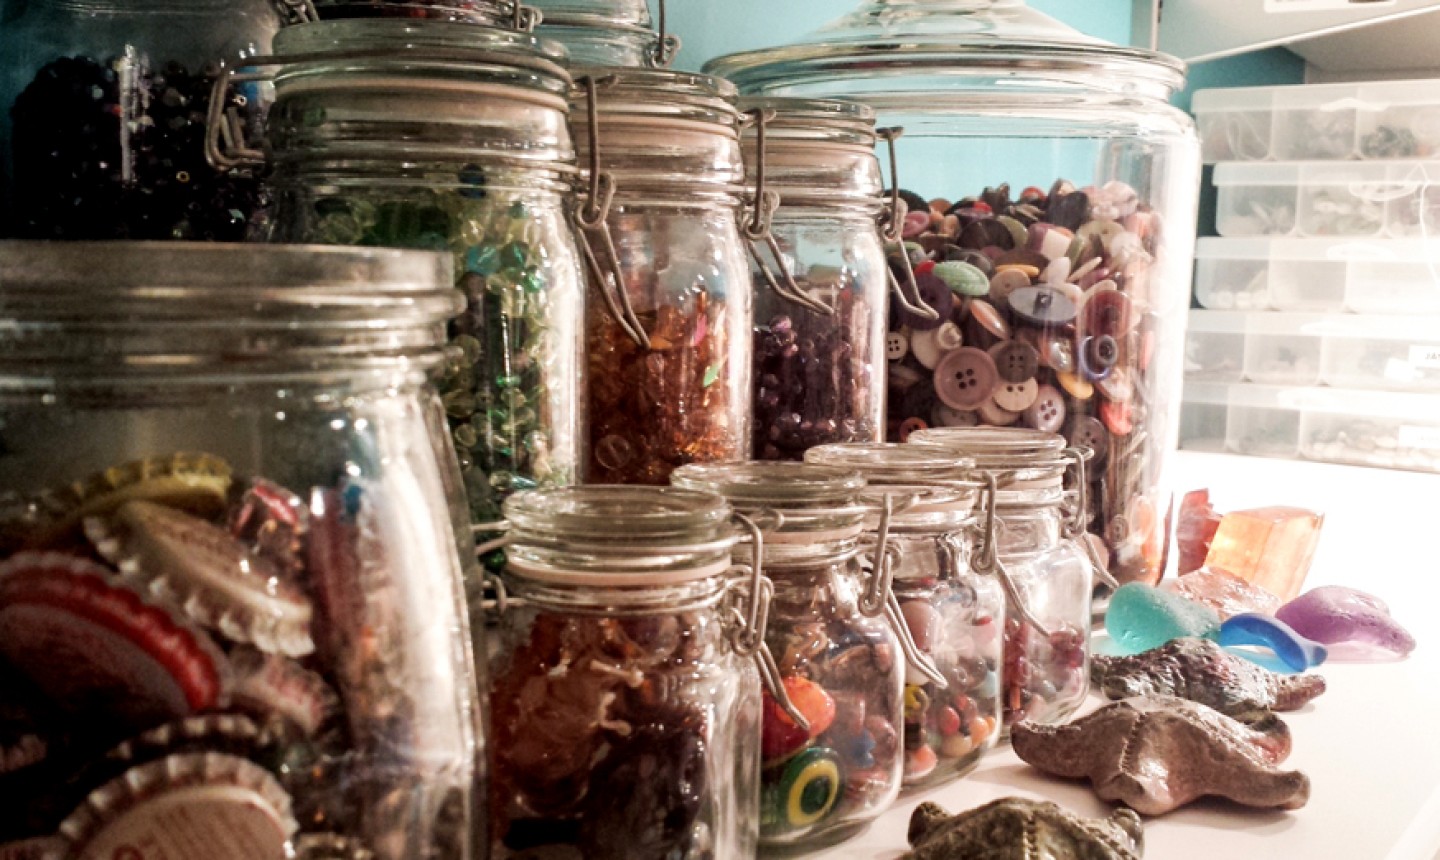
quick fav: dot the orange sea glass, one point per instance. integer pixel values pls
(1268, 547)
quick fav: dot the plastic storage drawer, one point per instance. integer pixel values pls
(1360, 199)
(1323, 275)
(1379, 120)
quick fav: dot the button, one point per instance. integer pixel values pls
(965, 378)
(1087, 432)
(1097, 356)
(1006, 282)
(1057, 351)
(1015, 360)
(944, 416)
(1047, 413)
(918, 399)
(902, 376)
(911, 425)
(930, 346)
(1075, 386)
(996, 415)
(1030, 272)
(897, 344)
(957, 254)
(989, 319)
(1042, 306)
(934, 294)
(985, 233)
(1018, 234)
(1116, 417)
(1016, 396)
(1106, 311)
(962, 278)
(1118, 386)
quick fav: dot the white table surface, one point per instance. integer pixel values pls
(1371, 744)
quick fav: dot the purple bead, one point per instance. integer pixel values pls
(1334, 614)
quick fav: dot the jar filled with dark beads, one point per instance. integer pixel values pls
(1040, 553)
(102, 118)
(668, 312)
(821, 278)
(445, 136)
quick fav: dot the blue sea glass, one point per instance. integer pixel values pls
(1141, 617)
(1252, 628)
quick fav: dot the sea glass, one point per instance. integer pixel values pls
(1195, 529)
(1226, 594)
(1292, 649)
(1269, 547)
(1334, 614)
(1142, 617)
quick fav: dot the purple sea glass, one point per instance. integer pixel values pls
(1334, 614)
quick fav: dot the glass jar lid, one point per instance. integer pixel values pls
(789, 500)
(1028, 465)
(818, 152)
(491, 13)
(915, 46)
(888, 463)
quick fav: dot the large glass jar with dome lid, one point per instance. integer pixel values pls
(1051, 209)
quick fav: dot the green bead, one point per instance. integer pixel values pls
(512, 256)
(963, 278)
(507, 381)
(532, 281)
(483, 260)
(712, 373)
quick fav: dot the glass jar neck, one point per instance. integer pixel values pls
(706, 594)
(1027, 529)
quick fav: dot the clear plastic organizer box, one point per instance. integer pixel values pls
(1333, 425)
(1358, 199)
(1333, 122)
(1368, 276)
(1342, 350)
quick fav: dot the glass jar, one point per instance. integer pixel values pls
(231, 610)
(446, 137)
(1040, 553)
(955, 615)
(1053, 230)
(608, 32)
(820, 287)
(625, 713)
(102, 118)
(490, 13)
(668, 314)
(833, 633)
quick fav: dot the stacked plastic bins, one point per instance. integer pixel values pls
(1318, 332)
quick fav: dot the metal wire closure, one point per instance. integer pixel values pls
(1076, 529)
(526, 18)
(892, 224)
(988, 561)
(591, 214)
(879, 597)
(748, 631)
(296, 11)
(667, 45)
(758, 228)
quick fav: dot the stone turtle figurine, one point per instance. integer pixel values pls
(1014, 828)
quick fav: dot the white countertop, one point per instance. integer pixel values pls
(1370, 744)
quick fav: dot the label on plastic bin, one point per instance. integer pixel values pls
(1420, 438)
(1323, 5)
(1426, 356)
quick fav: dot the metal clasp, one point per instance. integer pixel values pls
(225, 145)
(1077, 529)
(525, 18)
(988, 560)
(892, 225)
(879, 596)
(296, 11)
(748, 628)
(758, 229)
(667, 45)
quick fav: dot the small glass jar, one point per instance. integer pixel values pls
(231, 610)
(668, 314)
(608, 33)
(489, 13)
(1041, 554)
(820, 288)
(954, 614)
(102, 118)
(439, 136)
(625, 712)
(831, 631)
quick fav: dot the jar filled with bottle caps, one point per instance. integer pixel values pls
(453, 137)
(1042, 556)
(625, 704)
(820, 275)
(839, 642)
(231, 609)
(610, 33)
(668, 313)
(924, 501)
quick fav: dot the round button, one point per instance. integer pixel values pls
(1047, 413)
(927, 345)
(902, 376)
(1075, 385)
(1099, 353)
(1087, 432)
(1106, 311)
(935, 295)
(1118, 386)
(1006, 282)
(989, 319)
(957, 254)
(1116, 417)
(1015, 360)
(944, 416)
(965, 378)
(1042, 306)
(897, 344)
(996, 415)
(1016, 396)
(911, 425)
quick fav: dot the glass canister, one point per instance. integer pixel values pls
(231, 609)
(103, 106)
(625, 708)
(443, 136)
(1051, 224)
(921, 504)
(821, 284)
(1041, 554)
(669, 307)
(490, 13)
(836, 633)
(613, 33)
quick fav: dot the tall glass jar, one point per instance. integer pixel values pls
(668, 314)
(1053, 231)
(831, 631)
(820, 289)
(608, 32)
(451, 137)
(102, 118)
(625, 713)
(231, 611)
(924, 500)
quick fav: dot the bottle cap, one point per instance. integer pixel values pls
(268, 685)
(42, 848)
(274, 521)
(216, 579)
(330, 846)
(95, 646)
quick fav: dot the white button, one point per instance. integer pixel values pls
(896, 345)
(931, 346)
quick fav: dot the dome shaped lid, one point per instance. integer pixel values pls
(925, 44)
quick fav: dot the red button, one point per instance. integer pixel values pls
(911, 425)
(1106, 311)
(1015, 360)
(1116, 417)
(1047, 413)
(965, 378)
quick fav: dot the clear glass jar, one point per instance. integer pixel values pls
(608, 33)
(231, 609)
(820, 306)
(489, 13)
(102, 118)
(837, 652)
(447, 137)
(955, 615)
(668, 314)
(1039, 554)
(625, 713)
(1053, 232)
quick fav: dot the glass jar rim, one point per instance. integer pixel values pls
(619, 515)
(780, 484)
(886, 463)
